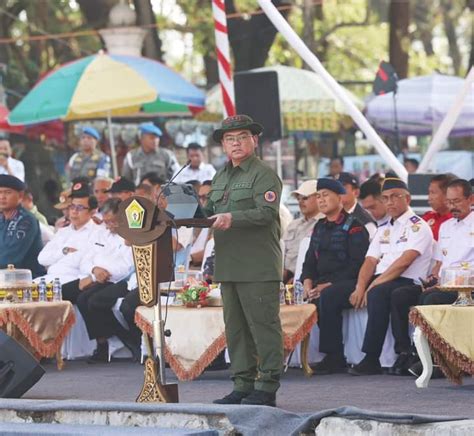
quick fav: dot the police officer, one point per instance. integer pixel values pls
(335, 254)
(90, 161)
(245, 200)
(399, 254)
(149, 157)
(20, 236)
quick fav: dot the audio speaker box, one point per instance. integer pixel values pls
(19, 370)
(256, 95)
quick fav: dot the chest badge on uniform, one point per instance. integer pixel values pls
(385, 239)
(135, 214)
(415, 227)
(270, 197)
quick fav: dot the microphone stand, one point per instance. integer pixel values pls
(158, 323)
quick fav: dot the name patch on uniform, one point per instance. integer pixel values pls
(270, 196)
(242, 185)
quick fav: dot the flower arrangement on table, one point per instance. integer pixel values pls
(195, 294)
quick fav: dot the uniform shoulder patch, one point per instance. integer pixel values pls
(414, 219)
(355, 229)
(270, 197)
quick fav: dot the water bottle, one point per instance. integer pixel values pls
(299, 292)
(42, 290)
(57, 290)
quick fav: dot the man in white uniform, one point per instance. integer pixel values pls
(456, 239)
(399, 254)
(62, 255)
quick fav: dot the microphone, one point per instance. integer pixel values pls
(168, 183)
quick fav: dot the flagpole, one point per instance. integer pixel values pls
(112, 146)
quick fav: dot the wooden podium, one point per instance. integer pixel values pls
(148, 229)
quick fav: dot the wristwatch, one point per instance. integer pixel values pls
(65, 250)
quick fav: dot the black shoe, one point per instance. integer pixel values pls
(260, 398)
(402, 364)
(367, 366)
(132, 345)
(416, 369)
(100, 355)
(331, 364)
(235, 397)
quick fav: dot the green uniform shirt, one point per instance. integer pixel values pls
(250, 250)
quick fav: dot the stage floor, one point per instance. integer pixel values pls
(122, 380)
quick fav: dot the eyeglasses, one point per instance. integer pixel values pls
(237, 138)
(77, 207)
(456, 202)
(392, 197)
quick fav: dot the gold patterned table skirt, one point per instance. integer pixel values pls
(450, 333)
(41, 326)
(198, 336)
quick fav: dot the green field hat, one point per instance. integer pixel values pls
(237, 122)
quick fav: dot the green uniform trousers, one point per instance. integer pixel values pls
(253, 333)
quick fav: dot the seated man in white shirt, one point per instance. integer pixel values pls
(9, 165)
(197, 169)
(106, 267)
(456, 240)
(62, 255)
(398, 255)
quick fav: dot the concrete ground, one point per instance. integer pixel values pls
(122, 381)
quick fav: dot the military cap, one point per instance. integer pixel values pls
(12, 182)
(331, 184)
(64, 200)
(347, 179)
(393, 183)
(90, 131)
(237, 122)
(150, 129)
(122, 185)
(80, 190)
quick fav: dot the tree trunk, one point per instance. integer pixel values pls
(399, 41)
(251, 39)
(470, 5)
(145, 15)
(96, 12)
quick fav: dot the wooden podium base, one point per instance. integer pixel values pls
(153, 391)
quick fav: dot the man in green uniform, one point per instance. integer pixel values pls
(244, 201)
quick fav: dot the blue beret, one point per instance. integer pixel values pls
(12, 182)
(150, 128)
(394, 183)
(331, 184)
(91, 132)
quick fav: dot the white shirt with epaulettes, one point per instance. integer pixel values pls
(407, 232)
